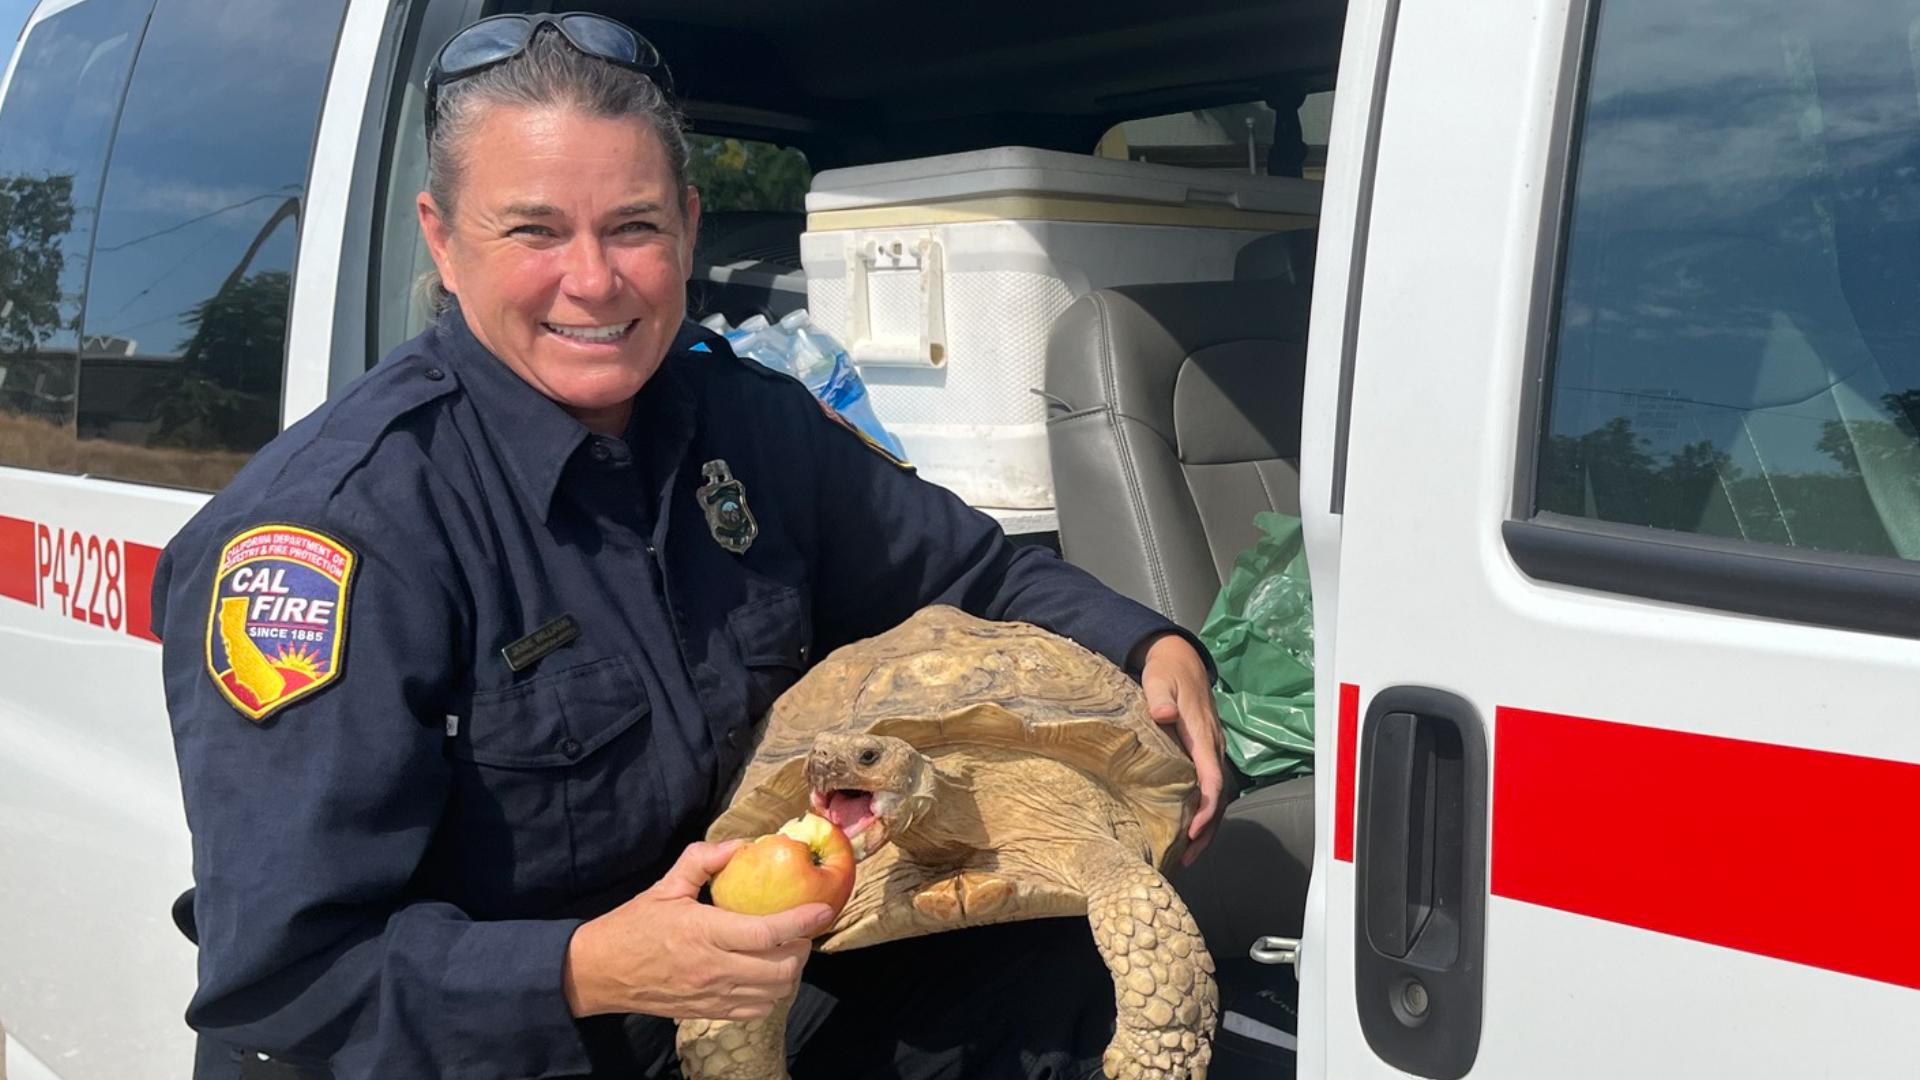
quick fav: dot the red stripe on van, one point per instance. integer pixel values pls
(140, 560)
(1801, 855)
(18, 577)
(1346, 778)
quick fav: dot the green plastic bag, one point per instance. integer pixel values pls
(1260, 633)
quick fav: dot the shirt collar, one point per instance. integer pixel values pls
(528, 429)
(535, 436)
(663, 421)
(697, 339)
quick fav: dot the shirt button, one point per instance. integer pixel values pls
(803, 654)
(733, 738)
(600, 451)
(435, 374)
(570, 747)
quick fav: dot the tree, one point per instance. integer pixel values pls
(1611, 458)
(228, 386)
(735, 174)
(1614, 467)
(36, 213)
(1889, 443)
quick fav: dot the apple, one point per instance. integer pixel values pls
(809, 861)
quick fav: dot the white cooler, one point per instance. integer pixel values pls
(943, 275)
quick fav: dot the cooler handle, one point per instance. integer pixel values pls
(922, 257)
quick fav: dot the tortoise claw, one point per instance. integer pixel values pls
(969, 894)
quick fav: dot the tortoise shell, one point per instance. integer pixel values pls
(945, 680)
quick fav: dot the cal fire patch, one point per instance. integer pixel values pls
(279, 620)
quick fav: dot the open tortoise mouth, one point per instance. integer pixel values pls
(852, 810)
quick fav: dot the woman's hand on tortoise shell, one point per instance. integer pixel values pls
(664, 953)
(1180, 695)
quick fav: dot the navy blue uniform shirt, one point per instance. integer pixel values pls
(390, 861)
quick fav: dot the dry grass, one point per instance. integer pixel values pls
(35, 444)
(38, 444)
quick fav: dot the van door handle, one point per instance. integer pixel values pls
(1403, 831)
(1420, 861)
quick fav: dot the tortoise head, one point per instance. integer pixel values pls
(873, 786)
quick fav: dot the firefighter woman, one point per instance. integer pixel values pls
(460, 666)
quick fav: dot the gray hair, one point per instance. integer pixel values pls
(550, 73)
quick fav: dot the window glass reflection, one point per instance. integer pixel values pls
(186, 315)
(54, 129)
(1738, 347)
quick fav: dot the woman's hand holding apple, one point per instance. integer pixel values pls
(809, 860)
(664, 953)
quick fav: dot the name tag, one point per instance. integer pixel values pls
(530, 650)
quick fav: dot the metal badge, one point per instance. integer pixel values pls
(724, 500)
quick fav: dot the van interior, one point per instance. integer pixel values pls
(1173, 404)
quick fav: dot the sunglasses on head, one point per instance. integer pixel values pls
(498, 38)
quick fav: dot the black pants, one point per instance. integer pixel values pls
(1023, 1001)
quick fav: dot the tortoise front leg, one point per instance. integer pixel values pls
(735, 1049)
(1166, 1000)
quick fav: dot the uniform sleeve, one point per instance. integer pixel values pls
(892, 544)
(309, 825)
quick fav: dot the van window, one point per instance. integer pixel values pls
(1242, 138)
(1236, 137)
(742, 174)
(54, 128)
(1316, 128)
(185, 325)
(753, 199)
(1737, 345)
(401, 306)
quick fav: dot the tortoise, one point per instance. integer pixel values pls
(985, 772)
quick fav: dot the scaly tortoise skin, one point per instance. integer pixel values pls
(1009, 774)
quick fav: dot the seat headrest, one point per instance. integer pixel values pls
(1282, 256)
(1214, 367)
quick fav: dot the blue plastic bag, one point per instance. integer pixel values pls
(800, 349)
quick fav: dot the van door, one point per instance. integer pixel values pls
(1622, 492)
(154, 167)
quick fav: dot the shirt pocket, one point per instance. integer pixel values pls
(550, 776)
(775, 638)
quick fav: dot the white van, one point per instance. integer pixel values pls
(1601, 418)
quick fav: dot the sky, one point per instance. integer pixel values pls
(13, 16)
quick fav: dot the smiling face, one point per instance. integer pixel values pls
(569, 251)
